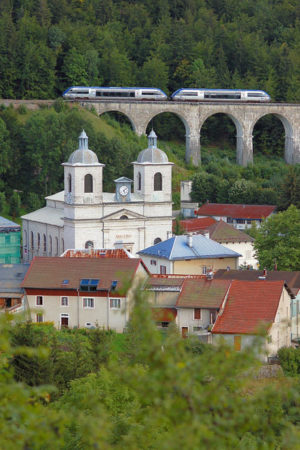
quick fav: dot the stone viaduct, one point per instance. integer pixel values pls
(193, 116)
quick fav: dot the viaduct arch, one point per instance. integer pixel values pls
(193, 116)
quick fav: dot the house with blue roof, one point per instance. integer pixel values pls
(188, 255)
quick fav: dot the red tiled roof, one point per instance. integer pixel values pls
(96, 253)
(236, 211)
(292, 279)
(164, 314)
(58, 273)
(202, 293)
(195, 224)
(249, 304)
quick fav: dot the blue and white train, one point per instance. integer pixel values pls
(220, 95)
(147, 93)
(122, 93)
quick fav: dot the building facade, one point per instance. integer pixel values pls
(10, 242)
(137, 215)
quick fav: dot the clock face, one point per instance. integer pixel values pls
(123, 190)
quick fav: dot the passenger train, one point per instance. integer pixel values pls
(188, 94)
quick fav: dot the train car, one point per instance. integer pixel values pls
(121, 93)
(221, 95)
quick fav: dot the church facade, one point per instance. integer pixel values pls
(137, 215)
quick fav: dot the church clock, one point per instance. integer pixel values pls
(123, 189)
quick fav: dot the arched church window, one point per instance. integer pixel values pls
(25, 237)
(89, 244)
(69, 183)
(45, 243)
(157, 240)
(62, 246)
(50, 245)
(56, 246)
(39, 241)
(88, 183)
(139, 181)
(123, 217)
(32, 239)
(158, 182)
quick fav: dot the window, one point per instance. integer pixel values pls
(64, 301)
(39, 318)
(153, 262)
(50, 245)
(69, 183)
(197, 313)
(157, 240)
(113, 285)
(139, 181)
(45, 243)
(62, 245)
(88, 183)
(240, 220)
(204, 270)
(39, 241)
(64, 320)
(197, 329)
(32, 239)
(88, 284)
(212, 317)
(158, 182)
(88, 303)
(89, 244)
(115, 303)
(56, 246)
(163, 270)
(229, 220)
(124, 217)
(25, 237)
(39, 300)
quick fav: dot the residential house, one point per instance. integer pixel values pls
(10, 242)
(292, 279)
(240, 216)
(253, 306)
(11, 292)
(83, 292)
(191, 255)
(198, 305)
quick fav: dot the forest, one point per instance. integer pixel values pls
(90, 389)
(49, 45)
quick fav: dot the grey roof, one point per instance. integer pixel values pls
(83, 155)
(51, 216)
(7, 225)
(11, 277)
(177, 248)
(152, 154)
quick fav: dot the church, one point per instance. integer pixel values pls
(137, 215)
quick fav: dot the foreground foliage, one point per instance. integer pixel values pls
(151, 393)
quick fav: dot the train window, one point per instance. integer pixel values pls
(148, 93)
(222, 96)
(254, 94)
(190, 94)
(81, 92)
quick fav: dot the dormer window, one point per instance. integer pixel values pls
(88, 183)
(88, 284)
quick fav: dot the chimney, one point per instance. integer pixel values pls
(190, 240)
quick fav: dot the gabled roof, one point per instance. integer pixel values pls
(96, 253)
(221, 231)
(177, 248)
(195, 224)
(66, 273)
(164, 283)
(202, 293)
(7, 226)
(236, 211)
(249, 305)
(292, 279)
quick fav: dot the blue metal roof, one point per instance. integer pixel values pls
(177, 248)
(8, 225)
